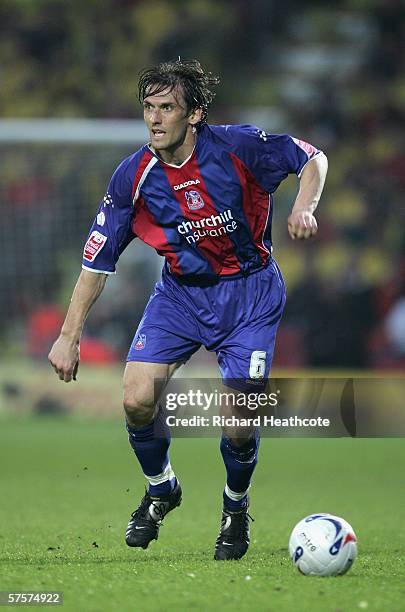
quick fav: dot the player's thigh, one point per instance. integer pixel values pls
(245, 355)
(167, 333)
(245, 358)
(144, 382)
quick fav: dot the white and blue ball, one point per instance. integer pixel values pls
(323, 545)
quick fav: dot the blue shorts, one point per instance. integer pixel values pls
(235, 317)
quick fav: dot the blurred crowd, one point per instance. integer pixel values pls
(333, 75)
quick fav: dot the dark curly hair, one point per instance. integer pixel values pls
(196, 84)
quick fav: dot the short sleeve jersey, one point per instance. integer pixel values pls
(210, 216)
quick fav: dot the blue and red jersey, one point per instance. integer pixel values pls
(210, 216)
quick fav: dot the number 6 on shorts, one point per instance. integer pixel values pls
(257, 364)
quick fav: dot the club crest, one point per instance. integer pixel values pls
(140, 342)
(194, 200)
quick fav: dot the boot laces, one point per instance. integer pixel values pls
(142, 512)
(239, 524)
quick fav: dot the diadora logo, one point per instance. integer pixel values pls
(186, 184)
(194, 200)
(212, 226)
(107, 200)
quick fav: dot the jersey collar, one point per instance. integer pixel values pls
(173, 165)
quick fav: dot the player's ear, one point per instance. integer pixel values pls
(195, 116)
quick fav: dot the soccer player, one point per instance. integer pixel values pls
(202, 196)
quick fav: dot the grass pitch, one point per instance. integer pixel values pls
(68, 488)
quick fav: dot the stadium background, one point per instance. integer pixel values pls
(329, 73)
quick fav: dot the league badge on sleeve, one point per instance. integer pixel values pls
(93, 246)
(309, 149)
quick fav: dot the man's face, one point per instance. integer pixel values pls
(166, 118)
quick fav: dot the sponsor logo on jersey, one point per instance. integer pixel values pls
(212, 226)
(187, 184)
(101, 218)
(140, 342)
(93, 246)
(194, 200)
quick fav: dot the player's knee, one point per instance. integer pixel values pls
(237, 441)
(238, 436)
(139, 408)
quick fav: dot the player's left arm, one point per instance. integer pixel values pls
(301, 222)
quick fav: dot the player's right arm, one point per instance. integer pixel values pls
(109, 235)
(65, 353)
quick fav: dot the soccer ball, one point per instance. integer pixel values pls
(323, 545)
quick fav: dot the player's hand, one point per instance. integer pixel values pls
(302, 225)
(64, 357)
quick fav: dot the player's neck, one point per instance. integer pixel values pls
(178, 154)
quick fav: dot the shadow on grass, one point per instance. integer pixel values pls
(140, 557)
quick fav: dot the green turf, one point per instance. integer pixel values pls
(68, 487)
